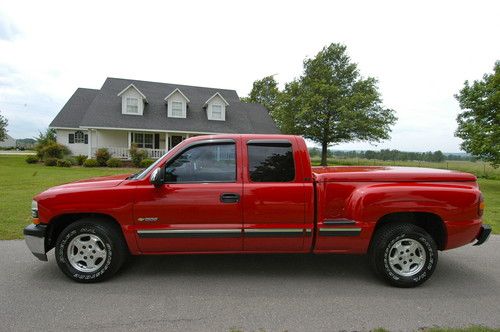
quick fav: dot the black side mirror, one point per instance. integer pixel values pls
(158, 177)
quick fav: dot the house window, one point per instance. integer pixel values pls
(78, 137)
(132, 105)
(145, 140)
(177, 109)
(216, 112)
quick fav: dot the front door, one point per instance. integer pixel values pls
(273, 198)
(198, 209)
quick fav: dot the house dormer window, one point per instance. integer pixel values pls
(133, 100)
(216, 107)
(177, 109)
(132, 105)
(216, 112)
(176, 104)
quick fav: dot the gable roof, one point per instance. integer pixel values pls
(75, 108)
(215, 95)
(133, 86)
(104, 110)
(177, 90)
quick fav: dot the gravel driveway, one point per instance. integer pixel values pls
(248, 293)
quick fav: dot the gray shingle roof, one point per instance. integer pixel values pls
(75, 108)
(104, 110)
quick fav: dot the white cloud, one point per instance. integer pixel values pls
(421, 52)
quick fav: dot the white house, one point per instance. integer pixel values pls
(154, 116)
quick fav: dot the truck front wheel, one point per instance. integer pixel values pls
(403, 254)
(90, 250)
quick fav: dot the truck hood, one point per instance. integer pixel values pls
(388, 174)
(92, 183)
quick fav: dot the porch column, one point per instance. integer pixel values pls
(89, 154)
(167, 135)
(187, 136)
(129, 139)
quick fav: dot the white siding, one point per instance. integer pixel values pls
(110, 138)
(75, 148)
(218, 101)
(176, 96)
(132, 93)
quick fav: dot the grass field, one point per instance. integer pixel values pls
(19, 182)
(480, 169)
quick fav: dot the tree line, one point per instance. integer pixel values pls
(387, 155)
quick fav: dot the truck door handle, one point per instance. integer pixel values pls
(229, 198)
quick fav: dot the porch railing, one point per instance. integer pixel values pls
(124, 153)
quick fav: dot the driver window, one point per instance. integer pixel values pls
(203, 163)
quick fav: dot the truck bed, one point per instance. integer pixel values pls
(387, 174)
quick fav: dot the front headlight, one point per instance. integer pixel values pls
(34, 209)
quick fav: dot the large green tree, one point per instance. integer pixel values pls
(331, 103)
(264, 91)
(479, 123)
(3, 128)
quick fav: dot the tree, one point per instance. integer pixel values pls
(479, 123)
(265, 92)
(331, 103)
(44, 139)
(3, 128)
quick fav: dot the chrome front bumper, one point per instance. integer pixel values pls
(34, 236)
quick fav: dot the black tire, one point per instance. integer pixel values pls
(383, 251)
(111, 242)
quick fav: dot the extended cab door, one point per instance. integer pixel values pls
(198, 209)
(275, 196)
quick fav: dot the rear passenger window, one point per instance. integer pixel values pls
(270, 162)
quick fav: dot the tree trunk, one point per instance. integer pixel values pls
(324, 153)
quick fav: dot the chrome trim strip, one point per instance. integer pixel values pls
(274, 232)
(339, 231)
(171, 231)
(280, 230)
(194, 233)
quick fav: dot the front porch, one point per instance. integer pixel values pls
(119, 142)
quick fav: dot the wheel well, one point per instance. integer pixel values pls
(430, 222)
(59, 223)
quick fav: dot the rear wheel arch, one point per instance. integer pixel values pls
(59, 223)
(432, 223)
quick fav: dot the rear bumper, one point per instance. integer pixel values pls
(34, 235)
(483, 235)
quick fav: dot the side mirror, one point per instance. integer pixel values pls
(158, 176)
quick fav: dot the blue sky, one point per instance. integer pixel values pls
(421, 52)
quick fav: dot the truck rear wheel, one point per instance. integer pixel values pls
(90, 250)
(404, 255)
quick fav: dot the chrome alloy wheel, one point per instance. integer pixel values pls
(87, 253)
(407, 257)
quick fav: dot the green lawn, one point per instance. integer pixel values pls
(19, 182)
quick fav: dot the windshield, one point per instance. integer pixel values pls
(140, 175)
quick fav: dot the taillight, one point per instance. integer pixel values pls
(480, 208)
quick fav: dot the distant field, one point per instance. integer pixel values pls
(479, 168)
(19, 182)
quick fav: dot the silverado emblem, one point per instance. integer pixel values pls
(149, 219)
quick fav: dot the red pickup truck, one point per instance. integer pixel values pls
(258, 194)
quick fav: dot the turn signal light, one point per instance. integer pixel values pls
(36, 221)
